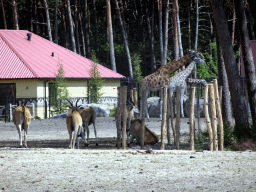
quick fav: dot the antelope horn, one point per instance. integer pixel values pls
(70, 103)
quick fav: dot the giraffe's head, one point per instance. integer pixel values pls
(196, 56)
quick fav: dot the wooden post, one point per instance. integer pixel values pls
(219, 113)
(136, 116)
(177, 125)
(192, 119)
(172, 119)
(198, 114)
(10, 111)
(213, 117)
(207, 117)
(143, 110)
(164, 115)
(168, 118)
(118, 121)
(123, 115)
(131, 94)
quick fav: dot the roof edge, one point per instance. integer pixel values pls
(19, 55)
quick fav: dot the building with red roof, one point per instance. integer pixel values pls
(29, 63)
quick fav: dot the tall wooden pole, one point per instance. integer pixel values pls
(207, 117)
(143, 110)
(219, 113)
(123, 115)
(118, 121)
(213, 117)
(192, 119)
(177, 125)
(164, 116)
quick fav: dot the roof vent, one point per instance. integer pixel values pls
(52, 54)
(29, 36)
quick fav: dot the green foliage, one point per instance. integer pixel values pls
(136, 61)
(112, 112)
(203, 142)
(228, 134)
(96, 82)
(210, 69)
(59, 91)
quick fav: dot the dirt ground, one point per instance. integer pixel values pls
(48, 164)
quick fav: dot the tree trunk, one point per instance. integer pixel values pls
(165, 34)
(247, 58)
(77, 29)
(196, 33)
(160, 31)
(233, 23)
(151, 36)
(175, 32)
(240, 112)
(48, 21)
(125, 40)
(71, 27)
(189, 24)
(31, 15)
(2, 4)
(64, 25)
(223, 81)
(197, 21)
(82, 33)
(35, 29)
(97, 48)
(250, 23)
(178, 30)
(110, 37)
(15, 15)
(56, 23)
(86, 30)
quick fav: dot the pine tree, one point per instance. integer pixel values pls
(96, 82)
(59, 93)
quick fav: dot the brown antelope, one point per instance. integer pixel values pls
(74, 124)
(130, 110)
(21, 119)
(88, 115)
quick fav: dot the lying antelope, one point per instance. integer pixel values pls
(131, 109)
(21, 119)
(88, 115)
(74, 124)
(150, 137)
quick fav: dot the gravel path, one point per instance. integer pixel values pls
(49, 166)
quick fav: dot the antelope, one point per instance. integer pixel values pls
(74, 124)
(88, 115)
(130, 110)
(150, 137)
(21, 119)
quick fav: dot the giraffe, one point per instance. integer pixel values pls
(196, 81)
(161, 77)
(180, 80)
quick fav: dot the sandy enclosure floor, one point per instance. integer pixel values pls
(47, 165)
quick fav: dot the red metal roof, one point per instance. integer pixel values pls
(21, 58)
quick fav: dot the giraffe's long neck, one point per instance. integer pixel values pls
(186, 72)
(170, 68)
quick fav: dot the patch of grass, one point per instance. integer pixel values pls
(112, 112)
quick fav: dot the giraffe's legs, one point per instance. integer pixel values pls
(182, 91)
(161, 103)
(146, 103)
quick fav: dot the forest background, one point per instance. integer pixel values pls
(136, 37)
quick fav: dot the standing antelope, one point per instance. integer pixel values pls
(21, 119)
(88, 115)
(74, 124)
